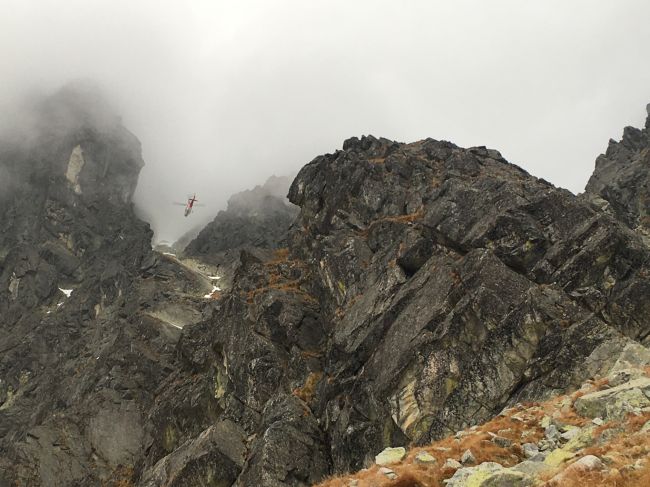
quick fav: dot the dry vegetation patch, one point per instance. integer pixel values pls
(280, 275)
(621, 446)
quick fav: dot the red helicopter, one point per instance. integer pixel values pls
(189, 206)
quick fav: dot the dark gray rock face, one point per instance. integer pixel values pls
(622, 178)
(424, 287)
(215, 458)
(454, 283)
(81, 350)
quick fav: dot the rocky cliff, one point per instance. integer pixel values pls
(420, 289)
(85, 333)
(621, 180)
(424, 288)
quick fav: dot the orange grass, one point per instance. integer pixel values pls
(478, 441)
(621, 451)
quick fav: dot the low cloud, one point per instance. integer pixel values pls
(225, 94)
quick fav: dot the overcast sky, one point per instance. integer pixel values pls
(223, 94)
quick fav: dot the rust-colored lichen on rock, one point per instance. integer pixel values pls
(308, 389)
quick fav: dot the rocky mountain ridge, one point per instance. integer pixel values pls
(259, 217)
(88, 311)
(622, 178)
(420, 289)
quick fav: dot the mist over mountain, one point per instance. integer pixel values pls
(223, 95)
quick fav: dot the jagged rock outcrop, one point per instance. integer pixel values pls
(519, 283)
(622, 178)
(83, 346)
(424, 288)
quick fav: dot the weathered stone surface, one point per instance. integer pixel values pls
(425, 458)
(489, 475)
(451, 463)
(570, 433)
(507, 478)
(531, 468)
(621, 376)
(501, 441)
(468, 458)
(290, 451)
(616, 402)
(621, 178)
(530, 449)
(389, 456)
(463, 476)
(539, 457)
(215, 457)
(577, 469)
(558, 456)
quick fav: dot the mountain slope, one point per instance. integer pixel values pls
(81, 293)
(420, 289)
(424, 288)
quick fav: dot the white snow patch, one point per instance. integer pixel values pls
(58, 305)
(67, 292)
(214, 278)
(169, 253)
(211, 294)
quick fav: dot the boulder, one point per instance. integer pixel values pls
(617, 402)
(389, 456)
(468, 458)
(529, 449)
(578, 468)
(489, 475)
(425, 458)
(451, 463)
